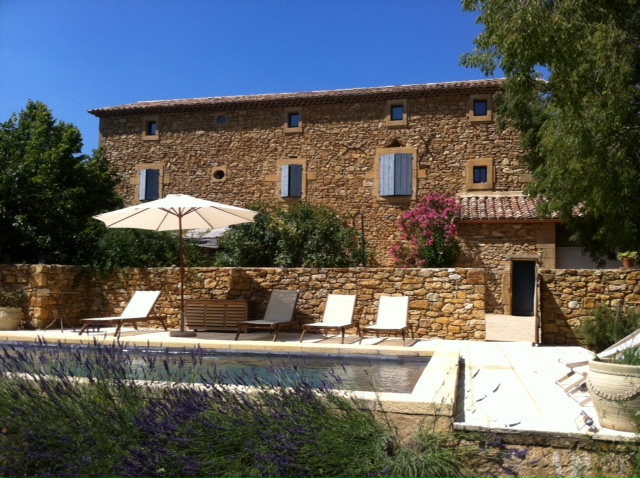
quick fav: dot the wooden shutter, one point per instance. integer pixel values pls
(295, 180)
(403, 181)
(387, 169)
(291, 181)
(284, 181)
(396, 174)
(149, 184)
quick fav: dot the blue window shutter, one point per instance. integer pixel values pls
(403, 184)
(284, 182)
(387, 169)
(143, 185)
(291, 181)
(295, 180)
(149, 184)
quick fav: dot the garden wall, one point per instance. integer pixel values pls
(568, 297)
(444, 303)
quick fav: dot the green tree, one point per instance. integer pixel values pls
(122, 248)
(302, 235)
(580, 124)
(48, 191)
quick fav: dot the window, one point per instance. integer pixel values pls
(396, 114)
(219, 173)
(480, 175)
(291, 181)
(149, 181)
(396, 174)
(222, 120)
(150, 128)
(149, 185)
(293, 120)
(480, 109)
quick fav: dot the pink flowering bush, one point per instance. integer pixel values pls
(429, 234)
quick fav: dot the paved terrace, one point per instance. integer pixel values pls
(502, 385)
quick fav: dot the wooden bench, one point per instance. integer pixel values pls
(215, 315)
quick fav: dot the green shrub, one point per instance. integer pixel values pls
(302, 235)
(608, 326)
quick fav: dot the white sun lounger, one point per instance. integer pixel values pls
(338, 315)
(393, 313)
(138, 310)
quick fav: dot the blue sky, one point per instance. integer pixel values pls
(77, 55)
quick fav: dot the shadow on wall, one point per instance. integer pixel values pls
(554, 323)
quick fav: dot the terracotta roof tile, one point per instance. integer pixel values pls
(298, 99)
(498, 208)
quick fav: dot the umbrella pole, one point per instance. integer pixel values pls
(183, 325)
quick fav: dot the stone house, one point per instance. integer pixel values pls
(368, 153)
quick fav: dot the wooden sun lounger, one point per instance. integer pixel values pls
(138, 310)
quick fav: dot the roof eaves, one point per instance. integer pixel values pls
(296, 99)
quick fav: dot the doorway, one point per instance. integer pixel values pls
(523, 286)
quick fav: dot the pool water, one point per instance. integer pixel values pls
(344, 372)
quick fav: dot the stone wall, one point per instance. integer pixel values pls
(492, 246)
(444, 303)
(571, 296)
(337, 146)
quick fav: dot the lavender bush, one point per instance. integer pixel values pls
(95, 411)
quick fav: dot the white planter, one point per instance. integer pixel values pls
(615, 392)
(10, 318)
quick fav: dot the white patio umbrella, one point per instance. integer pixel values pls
(177, 212)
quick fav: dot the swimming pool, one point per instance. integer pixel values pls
(195, 365)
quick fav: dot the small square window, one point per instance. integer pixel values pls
(480, 108)
(479, 174)
(397, 112)
(293, 120)
(152, 128)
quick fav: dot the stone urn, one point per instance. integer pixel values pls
(615, 392)
(10, 318)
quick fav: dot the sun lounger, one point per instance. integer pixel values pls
(280, 314)
(138, 310)
(393, 313)
(338, 315)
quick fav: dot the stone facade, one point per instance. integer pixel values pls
(444, 303)
(339, 143)
(571, 296)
